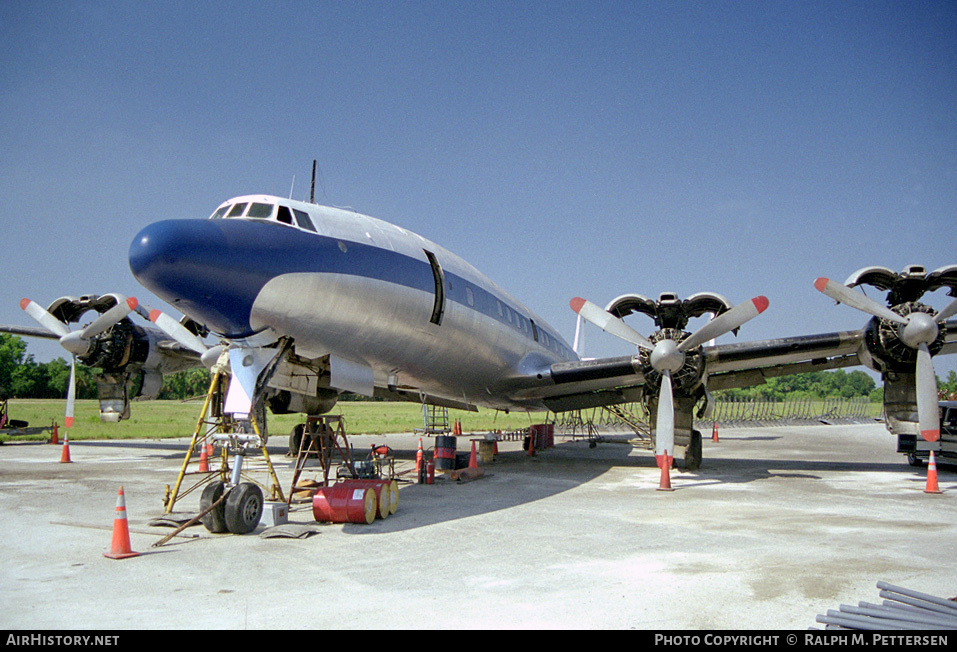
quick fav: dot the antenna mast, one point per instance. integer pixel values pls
(312, 189)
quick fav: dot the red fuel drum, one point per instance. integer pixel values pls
(444, 453)
(344, 504)
(543, 435)
(386, 491)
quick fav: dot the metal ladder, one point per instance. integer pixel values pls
(640, 426)
(435, 420)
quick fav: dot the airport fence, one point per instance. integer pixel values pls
(730, 412)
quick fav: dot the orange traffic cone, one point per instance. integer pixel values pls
(473, 460)
(56, 435)
(714, 433)
(932, 487)
(664, 461)
(120, 548)
(203, 461)
(418, 459)
(65, 451)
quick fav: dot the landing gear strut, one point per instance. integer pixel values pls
(227, 504)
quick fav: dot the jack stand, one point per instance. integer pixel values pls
(321, 437)
(222, 428)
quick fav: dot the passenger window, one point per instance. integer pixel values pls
(237, 210)
(283, 215)
(261, 210)
(303, 218)
(219, 213)
(469, 296)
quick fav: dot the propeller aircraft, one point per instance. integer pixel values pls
(308, 302)
(312, 301)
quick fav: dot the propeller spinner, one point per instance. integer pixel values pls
(78, 343)
(916, 330)
(668, 355)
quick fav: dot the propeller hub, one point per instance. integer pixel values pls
(75, 344)
(919, 329)
(667, 357)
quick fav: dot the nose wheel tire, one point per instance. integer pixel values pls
(215, 520)
(244, 508)
(692, 460)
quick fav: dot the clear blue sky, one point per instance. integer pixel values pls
(564, 148)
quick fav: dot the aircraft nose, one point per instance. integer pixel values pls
(190, 264)
(160, 248)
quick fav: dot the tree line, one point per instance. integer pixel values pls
(22, 377)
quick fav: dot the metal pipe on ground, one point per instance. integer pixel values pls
(897, 615)
(948, 605)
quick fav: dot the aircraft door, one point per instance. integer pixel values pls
(438, 308)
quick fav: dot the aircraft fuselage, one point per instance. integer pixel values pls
(344, 284)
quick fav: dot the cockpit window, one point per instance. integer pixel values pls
(264, 211)
(260, 210)
(283, 215)
(237, 210)
(304, 222)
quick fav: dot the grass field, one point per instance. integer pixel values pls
(162, 419)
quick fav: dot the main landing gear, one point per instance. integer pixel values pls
(233, 506)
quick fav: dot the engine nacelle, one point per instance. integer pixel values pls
(132, 359)
(885, 345)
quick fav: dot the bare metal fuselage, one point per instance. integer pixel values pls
(386, 300)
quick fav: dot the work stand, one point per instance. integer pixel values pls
(323, 437)
(233, 437)
(435, 420)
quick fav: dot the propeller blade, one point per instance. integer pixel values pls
(71, 394)
(949, 311)
(177, 331)
(44, 318)
(609, 323)
(109, 318)
(726, 322)
(843, 294)
(927, 413)
(665, 425)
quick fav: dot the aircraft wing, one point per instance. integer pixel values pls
(28, 331)
(177, 350)
(607, 381)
